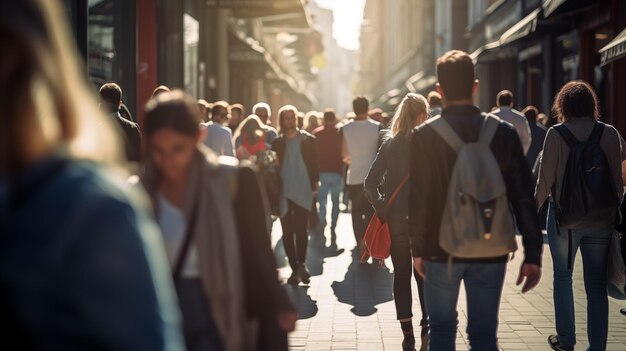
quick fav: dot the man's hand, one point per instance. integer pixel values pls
(418, 264)
(532, 273)
(287, 320)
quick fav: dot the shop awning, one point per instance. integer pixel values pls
(420, 82)
(614, 50)
(555, 7)
(289, 13)
(520, 30)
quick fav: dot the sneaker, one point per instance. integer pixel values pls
(553, 341)
(303, 274)
(622, 311)
(408, 344)
(294, 279)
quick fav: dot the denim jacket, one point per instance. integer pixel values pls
(81, 265)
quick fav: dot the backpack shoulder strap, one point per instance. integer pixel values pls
(488, 129)
(446, 132)
(565, 133)
(596, 133)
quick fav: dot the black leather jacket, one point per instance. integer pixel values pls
(432, 161)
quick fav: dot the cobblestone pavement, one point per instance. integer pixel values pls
(349, 306)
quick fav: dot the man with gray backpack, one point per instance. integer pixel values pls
(469, 180)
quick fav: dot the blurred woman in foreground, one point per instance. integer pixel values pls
(81, 263)
(214, 219)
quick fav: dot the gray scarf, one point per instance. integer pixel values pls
(217, 242)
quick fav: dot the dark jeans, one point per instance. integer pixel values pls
(295, 236)
(198, 326)
(594, 247)
(403, 270)
(362, 211)
(483, 289)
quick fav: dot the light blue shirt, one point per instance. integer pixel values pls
(219, 139)
(296, 184)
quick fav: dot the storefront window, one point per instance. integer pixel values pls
(111, 45)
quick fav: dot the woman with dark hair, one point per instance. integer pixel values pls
(81, 262)
(216, 228)
(566, 144)
(390, 171)
(299, 172)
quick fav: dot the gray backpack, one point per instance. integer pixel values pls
(477, 220)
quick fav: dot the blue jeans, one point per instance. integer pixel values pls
(483, 287)
(594, 246)
(333, 183)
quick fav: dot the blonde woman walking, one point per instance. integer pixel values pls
(391, 169)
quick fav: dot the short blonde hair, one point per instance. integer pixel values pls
(411, 107)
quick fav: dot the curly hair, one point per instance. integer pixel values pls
(576, 99)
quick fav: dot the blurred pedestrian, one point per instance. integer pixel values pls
(159, 90)
(251, 137)
(81, 262)
(359, 145)
(328, 145)
(298, 169)
(236, 116)
(111, 99)
(576, 105)
(506, 112)
(215, 223)
(311, 121)
(434, 101)
(390, 172)
(463, 134)
(376, 114)
(537, 134)
(219, 138)
(125, 113)
(204, 107)
(263, 110)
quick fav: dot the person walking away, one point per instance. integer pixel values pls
(296, 153)
(81, 263)
(111, 100)
(537, 134)
(390, 171)
(434, 101)
(580, 154)
(330, 165)
(219, 138)
(504, 110)
(359, 145)
(443, 184)
(263, 110)
(213, 216)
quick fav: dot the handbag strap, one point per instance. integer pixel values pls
(184, 250)
(397, 191)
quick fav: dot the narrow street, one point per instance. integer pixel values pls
(349, 306)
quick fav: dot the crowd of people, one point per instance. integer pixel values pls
(117, 236)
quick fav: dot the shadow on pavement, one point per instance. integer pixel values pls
(318, 251)
(364, 286)
(307, 307)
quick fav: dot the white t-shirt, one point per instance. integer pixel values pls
(362, 141)
(173, 225)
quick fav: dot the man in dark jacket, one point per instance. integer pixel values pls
(432, 162)
(300, 174)
(111, 99)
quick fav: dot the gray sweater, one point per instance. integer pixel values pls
(556, 152)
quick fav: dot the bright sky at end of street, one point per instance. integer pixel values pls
(348, 16)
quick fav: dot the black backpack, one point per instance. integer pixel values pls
(588, 197)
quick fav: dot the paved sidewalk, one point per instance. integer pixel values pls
(349, 306)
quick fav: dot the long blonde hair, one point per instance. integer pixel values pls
(48, 104)
(412, 107)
